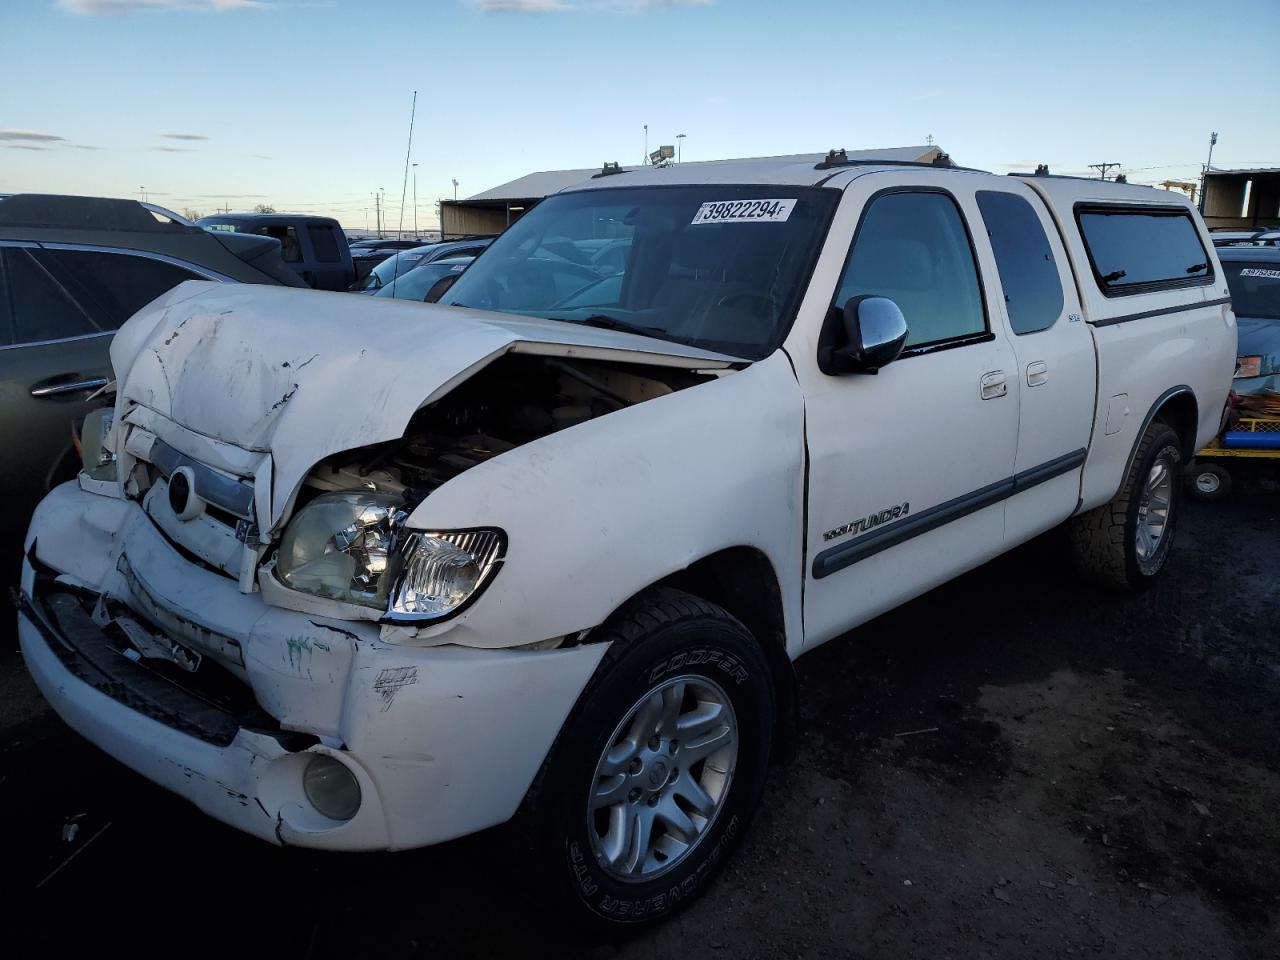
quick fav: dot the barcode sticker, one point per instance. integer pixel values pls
(743, 211)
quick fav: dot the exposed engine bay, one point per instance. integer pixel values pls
(514, 400)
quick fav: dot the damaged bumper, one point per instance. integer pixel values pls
(443, 741)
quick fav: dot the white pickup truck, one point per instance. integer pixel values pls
(364, 575)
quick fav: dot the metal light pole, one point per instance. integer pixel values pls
(143, 193)
(646, 143)
(679, 145)
(1204, 177)
(415, 201)
(455, 190)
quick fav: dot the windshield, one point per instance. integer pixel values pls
(225, 226)
(1255, 288)
(415, 284)
(718, 267)
(388, 269)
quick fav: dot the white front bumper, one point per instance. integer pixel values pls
(444, 741)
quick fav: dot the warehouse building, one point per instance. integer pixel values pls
(494, 210)
(1242, 199)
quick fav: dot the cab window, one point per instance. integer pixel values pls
(1024, 259)
(913, 248)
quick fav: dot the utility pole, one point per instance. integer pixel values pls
(929, 140)
(1204, 177)
(377, 215)
(679, 147)
(415, 201)
(646, 144)
(142, 192)
(1102, 169)
(455, 190)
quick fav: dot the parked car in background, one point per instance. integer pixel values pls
(1267, 237)
(403, 262)
(377, 246)
(72, 270)
(421, 281)
(1253, 276)
(314, 247)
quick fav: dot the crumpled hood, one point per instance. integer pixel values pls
(307, 374)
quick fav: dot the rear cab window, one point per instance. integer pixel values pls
(1142, 249)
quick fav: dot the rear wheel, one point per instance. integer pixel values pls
(1209, 482)
(660, 767)
(1125, 544)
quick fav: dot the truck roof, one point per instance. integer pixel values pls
(786, 171)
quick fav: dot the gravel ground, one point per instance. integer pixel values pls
(1011, 766)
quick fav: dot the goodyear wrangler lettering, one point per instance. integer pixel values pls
(863, 524)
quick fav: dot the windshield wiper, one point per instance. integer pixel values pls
(606, 322)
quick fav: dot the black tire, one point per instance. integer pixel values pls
(1105, 540)
(664, 635)
(1208, 482)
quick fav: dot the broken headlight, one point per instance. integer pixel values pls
(352, 547)
(342, 546)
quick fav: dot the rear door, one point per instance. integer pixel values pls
(1034, 291)
(62, 305)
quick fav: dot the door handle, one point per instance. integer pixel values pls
(56, 388)
(994, 384)
(1037, 373)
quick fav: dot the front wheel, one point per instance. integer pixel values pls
(1125, 544)
(659, 769)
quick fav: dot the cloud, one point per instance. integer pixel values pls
(10, 134)
(184, 136)
(23, 146)
(112, 8)
(83, 146)
(565, 6)
(520, 6)
(232, 196)
(173, 149)
(259, 156)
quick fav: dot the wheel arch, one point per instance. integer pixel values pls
(742, 580)
(1178, 408)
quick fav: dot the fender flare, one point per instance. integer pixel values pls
(1151, 415)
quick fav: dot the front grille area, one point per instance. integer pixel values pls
(210, 703)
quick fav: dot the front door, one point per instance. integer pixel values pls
(908, 467)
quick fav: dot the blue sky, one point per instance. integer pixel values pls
(305, 105)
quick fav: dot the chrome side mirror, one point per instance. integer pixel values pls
(866, 334)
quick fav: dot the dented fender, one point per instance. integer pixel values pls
(596, 513)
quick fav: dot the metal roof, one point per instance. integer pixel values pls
(535, 186)
(1246, 171)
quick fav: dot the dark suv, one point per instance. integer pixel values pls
(72, 270)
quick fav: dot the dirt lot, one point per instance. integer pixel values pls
(1012, 766)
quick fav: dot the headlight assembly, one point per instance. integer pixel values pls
(352, 547)
(441, 572)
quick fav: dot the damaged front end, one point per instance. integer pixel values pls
(235, 599)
